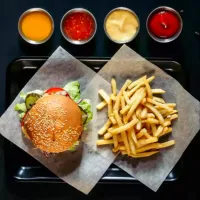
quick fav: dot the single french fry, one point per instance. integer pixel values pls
(166, 114)
(168, 117)
(104, 142)
(166, 123)
(147, 135)
(101, 105)
(163, 112)
(159, 130)
(174, 116)
(149, 93)
(131, 142)
(141, 133)
(147, 148)
(157, 91)
(171, 105)
(114, 86)
(156, 112)
(153, 129)
(138, 126)
(110, 110)
(117, 102)
(166, 144)
(145, 154)
(125, 109)
(144, 112)
(135, 83)
(105, 127)
(142, 143)
(107, 136)
(125, 127)
(104, 95)
(138, 111)
(115, 141)
(174, 112)
(143, 101)
(122, 101)
(155, 146)
(119, 137)
(148, 127)
(113, 97)
(133, 135)
(123, 105)
(135, 104)
(122, 148)
(112, 119)
(115, 149)
(151, 121)
(124, 152)
(112, 128)
(165, 131)
(123, 134)
(150, 115)
(126, 97)
(158, 99)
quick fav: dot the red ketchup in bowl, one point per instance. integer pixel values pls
(79, 26)
(164, 24)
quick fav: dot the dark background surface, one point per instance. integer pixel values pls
(185, 50)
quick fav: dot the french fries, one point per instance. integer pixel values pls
(105, 96)
(136, 118)
(101, 105)
(105, 127)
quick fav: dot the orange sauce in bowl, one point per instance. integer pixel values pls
(36, 26)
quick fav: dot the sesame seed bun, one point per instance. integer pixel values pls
(54, 123)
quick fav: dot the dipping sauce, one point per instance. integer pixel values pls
(121, 25)
(164, 24)
(79, 26)
(36, 26)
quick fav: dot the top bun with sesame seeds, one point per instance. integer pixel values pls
(54, 123)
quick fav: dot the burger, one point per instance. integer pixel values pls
(54, 119)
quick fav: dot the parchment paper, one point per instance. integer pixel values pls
(83, 168)
(152, 171)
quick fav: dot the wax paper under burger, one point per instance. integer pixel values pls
(83, 168)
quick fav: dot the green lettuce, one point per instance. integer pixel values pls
(22, 95)
(21, 115)
(86, 107)
(73, 88)
(21, 107)
(73, 148)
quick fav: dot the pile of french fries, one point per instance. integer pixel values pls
(137, 117)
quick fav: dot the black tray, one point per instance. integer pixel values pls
(23, 168)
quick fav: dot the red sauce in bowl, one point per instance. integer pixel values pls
(79, 26)
(164, 24)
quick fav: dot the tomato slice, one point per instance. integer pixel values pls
(54, 90)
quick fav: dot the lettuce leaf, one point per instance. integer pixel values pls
(73, 88)
(22, 95)
(73, 148)
(21, 115)
(20, 107)
(86, 107)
